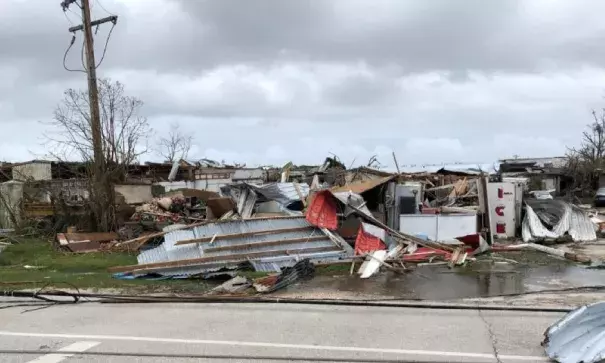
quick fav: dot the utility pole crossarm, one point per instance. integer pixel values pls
(113, 19)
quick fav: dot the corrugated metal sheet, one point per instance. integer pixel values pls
(578, 336)
(562, 218)
(235, 250)
(364, 186)
(283, 193)
(246, 202)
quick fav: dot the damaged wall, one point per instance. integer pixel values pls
(35, 170)
(213, 185)
(11, 195)
(251, 176)
(134, 193)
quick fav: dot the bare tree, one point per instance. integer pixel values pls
(125, 136)
(585, 163)
(176, 145)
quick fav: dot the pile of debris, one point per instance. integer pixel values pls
(169, 210)
(391, 221)
(266, 241)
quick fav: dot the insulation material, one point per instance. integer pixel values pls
(370, 238)
(322, 211)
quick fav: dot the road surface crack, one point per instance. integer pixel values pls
(492, 336)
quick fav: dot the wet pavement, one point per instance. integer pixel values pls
(483, 278)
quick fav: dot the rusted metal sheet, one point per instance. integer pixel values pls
(84, 246)
(364, 186)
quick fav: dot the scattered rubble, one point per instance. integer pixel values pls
(273, 220)
(300, 271)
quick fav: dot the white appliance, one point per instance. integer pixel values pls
(438, 227)
(504, 201)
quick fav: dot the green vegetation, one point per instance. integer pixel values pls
(34, 263)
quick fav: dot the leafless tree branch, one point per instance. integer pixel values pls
(586, 162)
(124, 135)
(175, 145)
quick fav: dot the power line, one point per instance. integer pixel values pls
(102, 7)
(68, 19)
(113, 25)
(76, 14)
(82, 54)
(73, 40)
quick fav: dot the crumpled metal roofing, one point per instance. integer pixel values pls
(330, 247)
(283, 193)
(554, 220)
(578, 337)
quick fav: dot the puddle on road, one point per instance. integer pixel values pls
(479, 279)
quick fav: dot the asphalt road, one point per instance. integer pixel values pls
(184, 332)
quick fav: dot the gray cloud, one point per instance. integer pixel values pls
(268, 81)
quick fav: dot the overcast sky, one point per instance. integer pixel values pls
(265, 82)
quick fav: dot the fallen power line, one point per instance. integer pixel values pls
(51, 297)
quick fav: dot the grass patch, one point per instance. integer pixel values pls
(48, 266)
(337, 268)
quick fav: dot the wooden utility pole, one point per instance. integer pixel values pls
(91, 69)
(93, 94)
(101, 183)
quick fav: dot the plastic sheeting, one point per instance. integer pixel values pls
(552, 219)
(578, 337)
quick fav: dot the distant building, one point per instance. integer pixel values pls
(539, 173)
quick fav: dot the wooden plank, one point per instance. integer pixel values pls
(300, 195)
(92, 236)
(241, 235)
(62, 240)
(202, 260)
(157, 234)
(243, 246)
